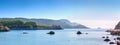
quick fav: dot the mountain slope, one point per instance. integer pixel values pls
(117, 26)
(49, 22)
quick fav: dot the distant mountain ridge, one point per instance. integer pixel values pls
(48, 22)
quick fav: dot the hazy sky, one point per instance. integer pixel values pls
(92, 13)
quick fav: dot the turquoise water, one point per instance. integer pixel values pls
(61, 37)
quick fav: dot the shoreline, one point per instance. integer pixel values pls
(114, 32)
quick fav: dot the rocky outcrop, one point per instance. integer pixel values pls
(51, 32)
(112, 43)
(115, 31)
(4, 29)
(79, 32)
(107, 40)
(117, 26)
(118, 43)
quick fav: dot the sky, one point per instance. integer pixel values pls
(91, 13)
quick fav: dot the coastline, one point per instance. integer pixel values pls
(114, 32)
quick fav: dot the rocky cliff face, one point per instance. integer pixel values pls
(117, 26)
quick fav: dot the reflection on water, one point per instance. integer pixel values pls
(61, 37)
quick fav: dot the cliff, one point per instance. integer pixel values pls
(117, 26)
(116, 30)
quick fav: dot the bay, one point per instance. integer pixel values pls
(61, 37)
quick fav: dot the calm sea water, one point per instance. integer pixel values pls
(61, 37)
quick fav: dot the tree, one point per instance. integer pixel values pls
(0, 24)
(56, 27)
(17, 22)
(30, 24)
(12, 23)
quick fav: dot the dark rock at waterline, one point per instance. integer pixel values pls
(51, 32)
(103, 37)
(107, 39)
(25, 33)
(79, 32)
(118, 38)
(114, 32)
(112, 43)
(114, 38)
(118, 43)
(86, 33)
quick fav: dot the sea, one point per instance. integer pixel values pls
(61, 37)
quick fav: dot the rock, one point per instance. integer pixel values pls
(118, 38)
(115, 31)
(86, 33)
(117, 26)
(4, 29)
(79, 32)
(114, 38)
(112, 43)
(103, 37)
(107, 39)
(25, 33)
(51, 32)
(118, 43)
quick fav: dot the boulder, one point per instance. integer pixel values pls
(103, 37)
(118, 38)
(86, 33)
(112, 43)
(78, 32)
(51, 32)
(118, 43)
(4, 29)
(25, 33)
(114, 38)
(107, 37)
(107, 40)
